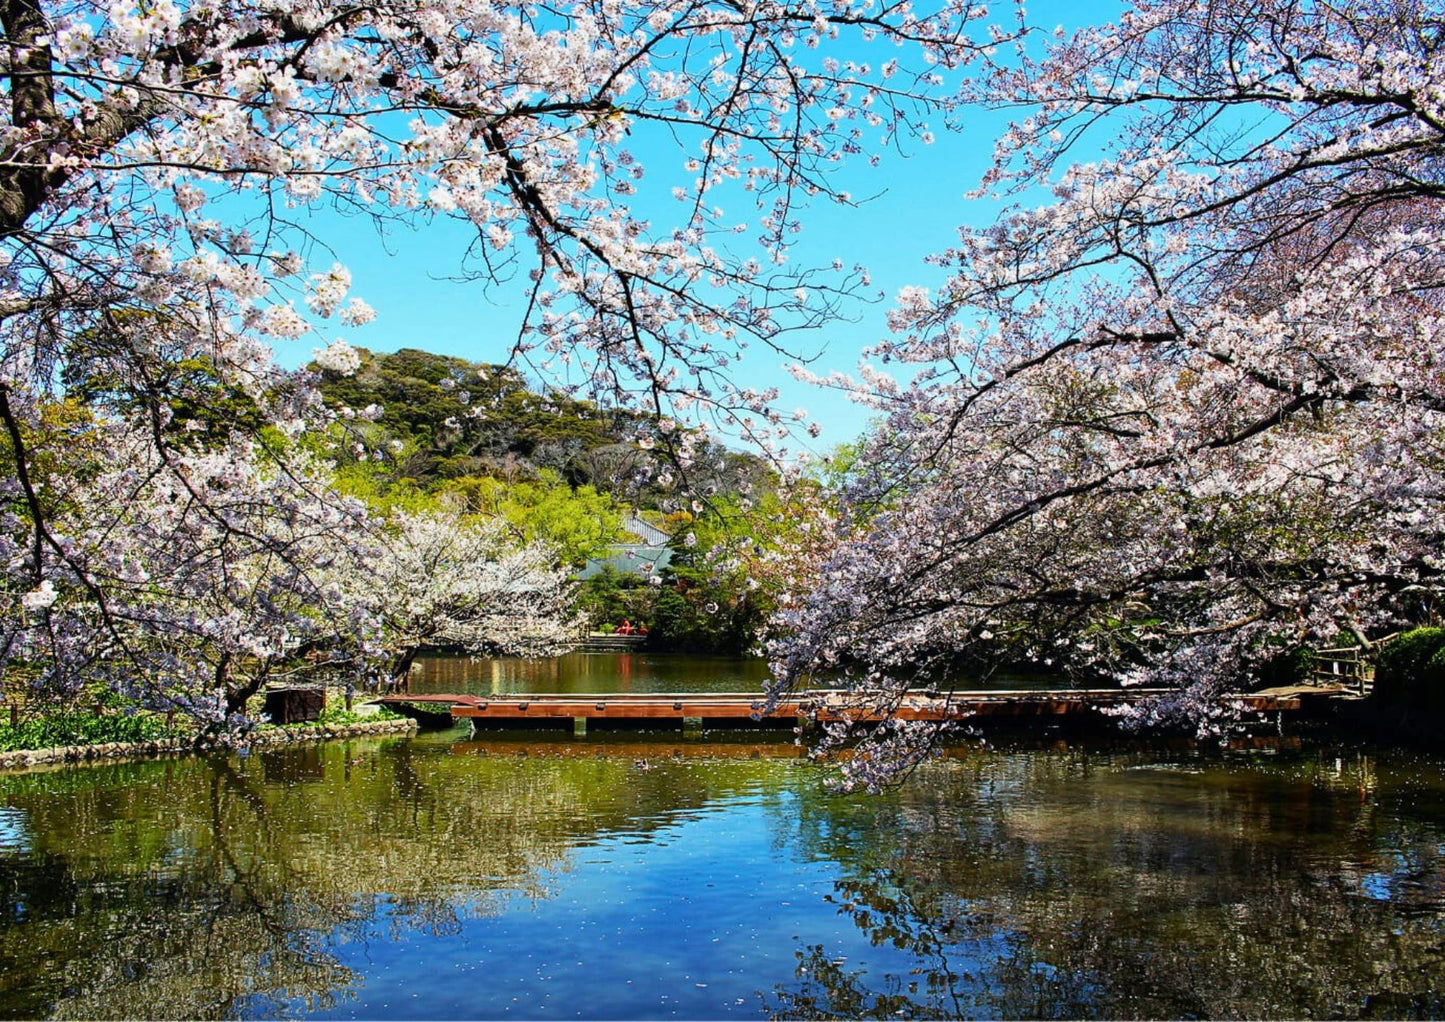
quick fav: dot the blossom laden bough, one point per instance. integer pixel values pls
(1187, 411)
(163, 121)
(446, 580)
(186, 580)
(160, 165)
(190, 582)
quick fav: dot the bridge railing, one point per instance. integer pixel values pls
(1345, 665)
(1351, 667)
(611, 642)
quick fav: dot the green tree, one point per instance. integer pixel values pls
(708, 601)
(456, 418)
(182, 395)
(579, 523)
(611, 596)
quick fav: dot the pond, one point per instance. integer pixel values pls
(587, 673)
(660, 877)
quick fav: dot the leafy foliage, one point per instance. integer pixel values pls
(579, 524)
(338, 715)
(56, 728)
(453, 418)
(161, 168)
(611, 596)
(1183, 397)
(1411, 673)
(708, 602)
(1293, 666)
(413, 420)
(186, 395)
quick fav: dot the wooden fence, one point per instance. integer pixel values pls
(1351, 666)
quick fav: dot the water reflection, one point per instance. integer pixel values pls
(654, 876)
(586, 673)
(1082, 885)
(245, 887)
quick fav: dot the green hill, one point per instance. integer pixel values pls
(444, 418)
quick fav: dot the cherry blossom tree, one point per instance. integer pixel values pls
(186, 580)
(166, 157)
(1179, 406)
(161, 168)
(439, 579)
(190, 583)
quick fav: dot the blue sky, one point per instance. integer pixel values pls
(408, 275)
(917, 202)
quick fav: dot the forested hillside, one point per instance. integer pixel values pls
(414, 430)
(428, 419)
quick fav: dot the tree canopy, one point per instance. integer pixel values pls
(160, 165)
(1176, 407)
(1186, 409)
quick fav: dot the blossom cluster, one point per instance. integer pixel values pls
(160, 167)
(1185, 412)
(188, 581)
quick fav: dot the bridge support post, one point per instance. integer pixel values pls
(579, 727)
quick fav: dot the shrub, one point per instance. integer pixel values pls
(341, 715)
(1411, 671)
(1293, 666)
(80, 727)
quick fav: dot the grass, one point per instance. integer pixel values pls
(70, 727)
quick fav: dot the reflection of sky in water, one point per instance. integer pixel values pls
(690, 920)
(1379, 886)
(1415, 877)
(639, 878)
(14, 830)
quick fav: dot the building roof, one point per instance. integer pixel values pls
(644, 530)
(639, 560)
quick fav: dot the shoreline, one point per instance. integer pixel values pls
(65, 755)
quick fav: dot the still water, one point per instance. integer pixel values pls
(589, 672)
(652, 877)
(586, 673)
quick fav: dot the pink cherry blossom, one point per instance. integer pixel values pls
(1178, 408)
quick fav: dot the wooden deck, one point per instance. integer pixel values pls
(823, 706)
(596, 642)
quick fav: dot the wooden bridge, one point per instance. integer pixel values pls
(580, 712)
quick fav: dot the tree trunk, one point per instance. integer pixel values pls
(401, 670)
(238, 695)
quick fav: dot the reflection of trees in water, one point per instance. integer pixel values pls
(121, 935)
(590, 672)
(883, 906)
(1022, 885)
(1059, 885)
(216, 887)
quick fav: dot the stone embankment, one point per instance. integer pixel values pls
(22, 758)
